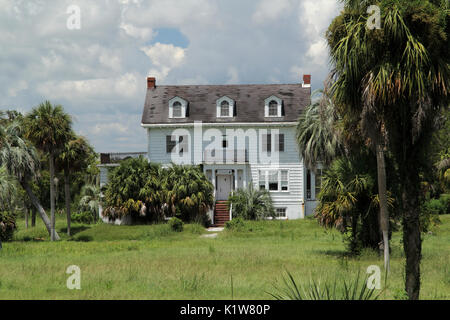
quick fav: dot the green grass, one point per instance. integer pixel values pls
(153, 262)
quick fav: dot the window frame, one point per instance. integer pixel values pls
(279, 217)
(183, 108)
(267, 103)
(230, 107)
(264, 176)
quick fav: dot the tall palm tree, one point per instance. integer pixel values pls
(395, 79)
(21, 161)
(74, 157)
(8, 190)
(48, 127)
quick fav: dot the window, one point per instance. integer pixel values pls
(279, 140)
(273, 180)
(171, 143)
(177, 110)
(273, 108)
(308, 184)
(280, 212)
(318, 182)
(267, 142)
(224, 142)
(284, 180)
(262, 179)
(224, 109)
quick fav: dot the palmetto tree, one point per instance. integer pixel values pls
(395, 79)
(251, 203)
(91, 199)
(8, 190)
(317, 137)
(189, 192)
(74, 157)
(48, 127)
(21, 161)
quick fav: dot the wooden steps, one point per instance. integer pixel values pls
(221, 213)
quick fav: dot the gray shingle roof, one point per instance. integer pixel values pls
(249, 101)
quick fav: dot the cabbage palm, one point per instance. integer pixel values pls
(48, 127)
(317, 136)
(189, 192)
(396, 80)
(75, 156)
(251, 203)
(90, 199)
(21, 161)
(8, 190)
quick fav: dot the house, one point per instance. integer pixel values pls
(238, 134)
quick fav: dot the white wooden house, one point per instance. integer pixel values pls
(239, 134)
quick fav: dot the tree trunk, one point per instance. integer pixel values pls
(412, 242)
(38, 206)
(52, 195)
(26, 218)
(382, 195)
(33, 217)
(67, 194)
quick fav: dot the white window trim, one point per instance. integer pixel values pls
(230, 110)
(266, 106)
(183, 107)
(285, 211)
(266, 179)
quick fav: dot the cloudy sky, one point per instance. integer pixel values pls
(98, 72)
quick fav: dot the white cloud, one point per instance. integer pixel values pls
(164, 58)
(268, 10)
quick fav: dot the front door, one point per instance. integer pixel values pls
(223, 187)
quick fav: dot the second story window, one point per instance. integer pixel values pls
(177, 109)
(273, 109)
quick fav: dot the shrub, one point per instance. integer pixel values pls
(7, 226)
(445, 201)
(176, 224)
(429, 214)
(83, 217)
(236, 224)
(252, 204)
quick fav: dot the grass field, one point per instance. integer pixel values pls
(152, 262)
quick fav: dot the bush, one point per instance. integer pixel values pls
(7, 226)
(236, 224)
(445, 201)
(429, 214)
(176, 224)
(252, 204)
(83, 217)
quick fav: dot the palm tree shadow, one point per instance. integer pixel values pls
(75, 230)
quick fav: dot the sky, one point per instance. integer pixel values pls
(98, 71)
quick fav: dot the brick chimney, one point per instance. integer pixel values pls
(306, 81)
(151, 82)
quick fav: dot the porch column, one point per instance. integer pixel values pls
(214, 181)
(235, 179)
(244, 178)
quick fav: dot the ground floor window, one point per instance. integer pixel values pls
(274, 180)
(318, 182)
(281, 212)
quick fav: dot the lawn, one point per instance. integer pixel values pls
(152, 262)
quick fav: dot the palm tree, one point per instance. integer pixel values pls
(189, 192)
(251, 203)
(21, 161)
(48, 127)
(8, 190)
(317, 136)
(395, 80)
(90, 199)
(76, 156)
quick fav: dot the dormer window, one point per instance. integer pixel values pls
(273, 107)
(177, 108)
(225, 107)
